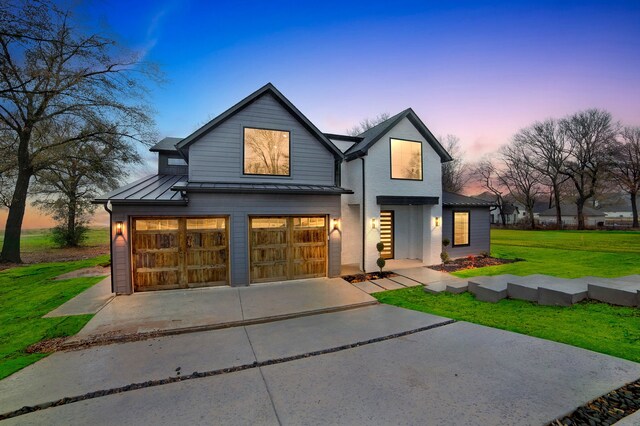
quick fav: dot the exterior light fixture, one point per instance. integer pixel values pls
(119, 228)
(437, 221)
(373, 223)
(335, 223)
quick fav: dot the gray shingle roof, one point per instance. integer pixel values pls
(264, 188)
(166, 144)
(372, 135)
(154, 189)
(451, 199)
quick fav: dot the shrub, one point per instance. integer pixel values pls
(445, 242)
(381, 262)
(444, 256)
(380, 247)
(63, 237)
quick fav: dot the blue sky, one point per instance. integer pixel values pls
(477, 70)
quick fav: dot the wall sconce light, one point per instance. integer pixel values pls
(119, 228)
(374, 223)
(437, 221)
(335, 223)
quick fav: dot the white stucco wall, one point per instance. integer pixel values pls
(379, 182)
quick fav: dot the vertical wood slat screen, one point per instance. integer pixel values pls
(386, 233)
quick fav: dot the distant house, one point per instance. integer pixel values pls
(514, 212)
(592, 217)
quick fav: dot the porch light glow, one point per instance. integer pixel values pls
(374, 223)
(437, 221)
(335, 223)
(119, 228)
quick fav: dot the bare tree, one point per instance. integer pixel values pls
(454, 173)
(625, 168)
(547, 145)
(590, 135)
(521, 177)
(491, 180)
(368, 123)
(50, 71)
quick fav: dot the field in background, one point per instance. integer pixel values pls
(37, 246)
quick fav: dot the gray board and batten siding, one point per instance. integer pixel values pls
(238, 208)
(217, 156)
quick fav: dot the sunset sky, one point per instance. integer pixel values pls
(477, 70)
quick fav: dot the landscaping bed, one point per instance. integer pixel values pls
(471, 262)
(358, 278)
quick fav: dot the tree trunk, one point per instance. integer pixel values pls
(634, 209)
(531, 218)
(580, 206)
(13, 227)
(556, 195)
(71, 223)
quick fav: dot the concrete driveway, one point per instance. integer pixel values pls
(370, 365)
(218, 307)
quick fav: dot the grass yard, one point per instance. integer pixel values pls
(40, 239)
(599, 327)
(590, 325)
(567, 254)
(26, 294)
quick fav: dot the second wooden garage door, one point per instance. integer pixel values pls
(286, 248)
(170, 253)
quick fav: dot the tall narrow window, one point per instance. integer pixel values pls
(406, 159)
(460, 229)
(266, 152)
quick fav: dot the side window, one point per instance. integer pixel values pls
(460, 228)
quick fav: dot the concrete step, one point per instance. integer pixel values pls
(526, 287)
(387, 284)
(563, 292)
(457, 286)
(435, 287)
(475, 282)
(407, 282)
(616, 291)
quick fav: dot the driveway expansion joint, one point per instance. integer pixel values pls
(211, 373)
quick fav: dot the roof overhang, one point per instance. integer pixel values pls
(259, 188)
(180, 202)
(400, 200)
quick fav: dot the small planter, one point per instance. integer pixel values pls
(358, 278)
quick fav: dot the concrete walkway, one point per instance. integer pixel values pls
(208, 308)
(322, 369)
(89, 301)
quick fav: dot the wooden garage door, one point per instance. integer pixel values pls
(286, 248)
(171, 253)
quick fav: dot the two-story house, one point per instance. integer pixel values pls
(260, 194)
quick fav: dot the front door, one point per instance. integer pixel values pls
(386, 233)
(287, 248)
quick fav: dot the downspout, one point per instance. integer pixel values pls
(110, 245)
(364, 222)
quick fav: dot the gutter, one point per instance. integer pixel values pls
(106, 207)
(364, 224)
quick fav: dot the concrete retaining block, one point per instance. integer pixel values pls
(474, 282)
(491, 292)
(563, 292)
(526, 287)
(615, 291)
(457, 287)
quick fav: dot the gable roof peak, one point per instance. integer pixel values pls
(282, 100)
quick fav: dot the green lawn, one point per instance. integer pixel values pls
(591, 325)
(26, 294)
(40, 239)
(568, 254)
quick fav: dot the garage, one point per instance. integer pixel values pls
(179, 252)
(286, 248)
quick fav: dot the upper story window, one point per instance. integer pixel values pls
(406, 159)
(176, 162)
(460, 228)
(266, 152)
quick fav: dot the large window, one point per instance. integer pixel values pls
(460, 229)
(406, 159)
(266, 152)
